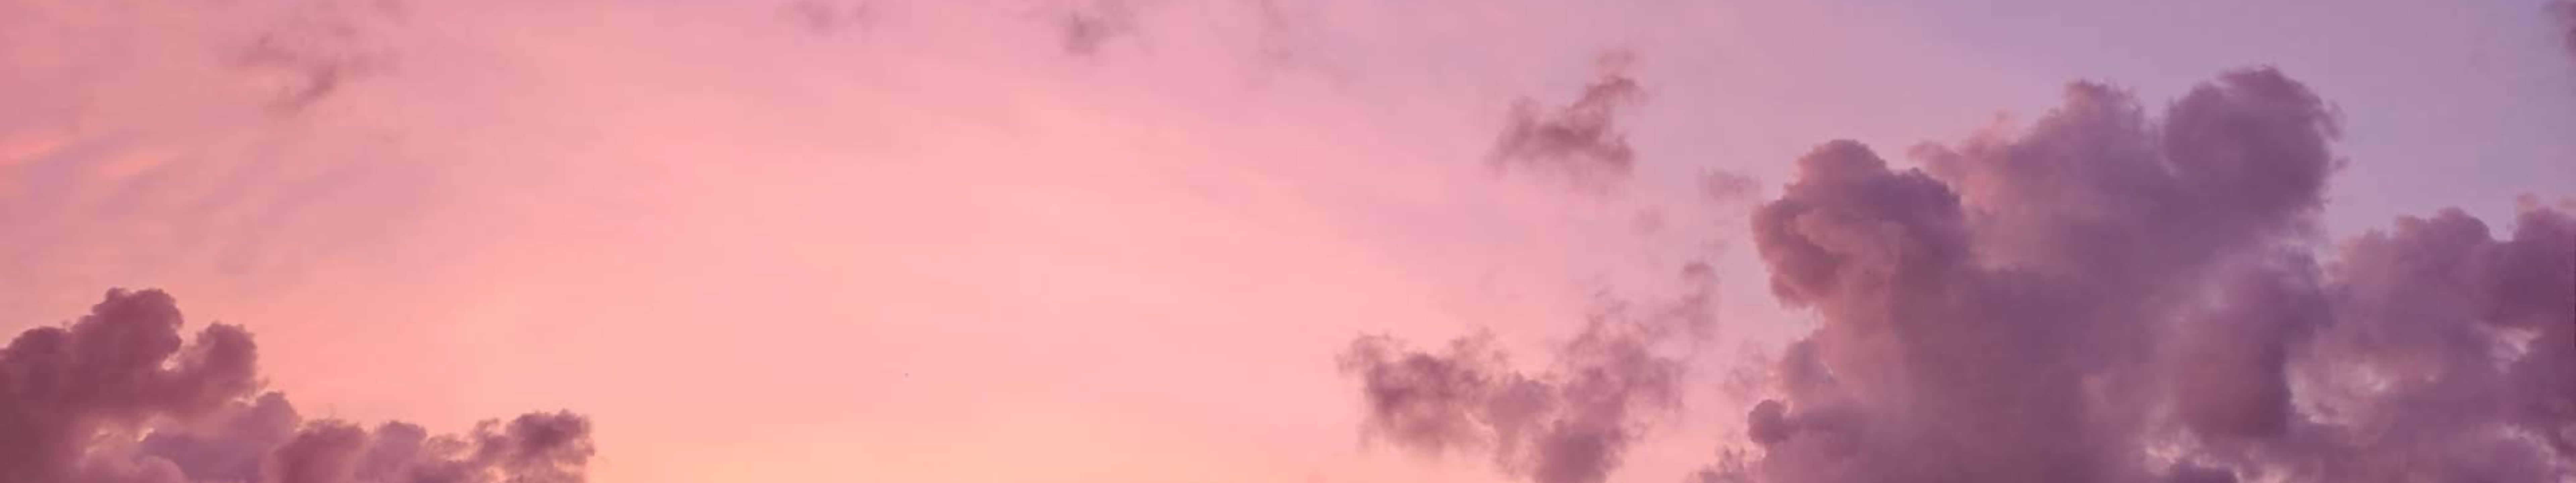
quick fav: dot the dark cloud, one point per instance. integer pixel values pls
(2113, 297)
(2107, 296)
(118, 396)
(230, 446)
(1572, 424)
(124, 364)
(1581, 140)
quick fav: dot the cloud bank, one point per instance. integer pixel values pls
(119, 396)
(2112, 297)
(2101, 296)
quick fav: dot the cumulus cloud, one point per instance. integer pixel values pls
(119, 396)
(2112, 297)
(2104, 295)
(1580, 140)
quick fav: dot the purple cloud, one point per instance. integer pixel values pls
(2113, 297)
(1581, 140)
(119, 397)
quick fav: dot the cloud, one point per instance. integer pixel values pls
(2112, 297)
(1729, 186)
(2103, 296)
(120, 396)
(1572, 424)
(1581, 140)
(1086, 28)
(309, 51)
(194, 140)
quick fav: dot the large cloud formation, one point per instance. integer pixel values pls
(2101, 296)
(118, 396)
(2110, 297)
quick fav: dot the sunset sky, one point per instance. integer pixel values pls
(1151, 240)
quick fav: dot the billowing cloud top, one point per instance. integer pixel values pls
(2110, 297)
(2103, 296)
(119, 396)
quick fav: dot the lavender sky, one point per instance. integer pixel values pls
(1231, 240)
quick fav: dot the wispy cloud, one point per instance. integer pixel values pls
(1580, 140)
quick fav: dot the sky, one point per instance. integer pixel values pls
(1231, 240)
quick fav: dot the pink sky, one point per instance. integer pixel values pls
(926, 242)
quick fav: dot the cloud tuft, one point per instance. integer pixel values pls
(118, 396)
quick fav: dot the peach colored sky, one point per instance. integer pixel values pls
(929, 243)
